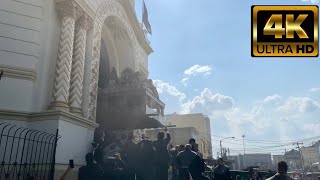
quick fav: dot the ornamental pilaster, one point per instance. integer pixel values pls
(68, 10)
(83, 24)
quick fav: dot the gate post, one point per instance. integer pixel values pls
(53, 162)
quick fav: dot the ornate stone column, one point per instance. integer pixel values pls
(77, 72)
(67, 12)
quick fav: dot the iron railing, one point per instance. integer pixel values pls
(26, 152)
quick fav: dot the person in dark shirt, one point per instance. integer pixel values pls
(131, 150)
(162, 155)
(184, 161)
(282, 172)
(197, 167)
(221, 171)
(91, 171)
(146, 160)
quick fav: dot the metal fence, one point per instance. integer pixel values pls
(26, 152)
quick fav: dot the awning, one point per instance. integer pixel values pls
(126, 121)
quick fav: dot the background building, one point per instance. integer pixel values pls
(240, 162)
(201, 123)
(262, 160)
(310, 156)
(276, 159)
(178, 135)
(236, 162)
(293, 159)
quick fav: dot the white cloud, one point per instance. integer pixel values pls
(312, 1)
(208, 102)
(272, 99)
(299, 105)
(274, 117)
(184, 81)
(197, 69)
(193, 71)
(172, 90)
(314, 90)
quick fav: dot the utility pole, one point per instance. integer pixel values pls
(221, 149)
(221, 144)
(244, 151)
(284, 156)
(301, 158)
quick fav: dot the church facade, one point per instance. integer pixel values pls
(55, 56)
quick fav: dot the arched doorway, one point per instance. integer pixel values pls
(116, 55)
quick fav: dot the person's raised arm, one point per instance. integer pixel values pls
(168, 138)
(63, 177)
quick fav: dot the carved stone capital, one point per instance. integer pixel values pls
(68, 8)
(84, 22)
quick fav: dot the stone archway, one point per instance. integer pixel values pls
(106, 9)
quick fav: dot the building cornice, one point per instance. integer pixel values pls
(18, 72)
(136, 26)
(46, 116)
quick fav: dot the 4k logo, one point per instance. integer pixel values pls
(284, 31)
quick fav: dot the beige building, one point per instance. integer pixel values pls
(178, 134)
(201, 123)
(310, 156)
(276, 159)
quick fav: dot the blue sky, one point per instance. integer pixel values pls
(202, 63)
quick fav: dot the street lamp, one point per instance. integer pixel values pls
(221, 143)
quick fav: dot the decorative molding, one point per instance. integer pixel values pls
(132, 18)
(66, 8)
(84, 22)
(18, 72)
(47, 116)
(86, 8)
(105, 10)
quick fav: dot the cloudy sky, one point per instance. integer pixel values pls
(202, 63)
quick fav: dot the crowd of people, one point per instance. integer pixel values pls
(145, 160)
(152, 160)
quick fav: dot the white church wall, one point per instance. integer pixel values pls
(19, 29)
(74, 144)
(15, 94)
(142, 60)
(75, 141)
(29, 32)
(50, 34)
